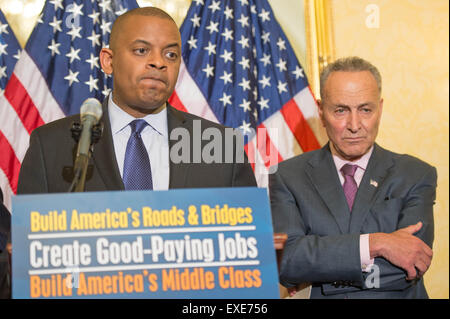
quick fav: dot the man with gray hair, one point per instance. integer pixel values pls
(359, 218)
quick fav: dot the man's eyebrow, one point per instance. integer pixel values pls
(341, 105)
(141, 41)
(359, 105)
(170, 45)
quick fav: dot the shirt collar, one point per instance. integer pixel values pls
(361, 163)
(120, 119)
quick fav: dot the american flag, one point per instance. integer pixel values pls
(238, 69)
(9, 54)
(58, 69)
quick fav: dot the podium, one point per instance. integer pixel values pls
(278, 238)
(176, 244)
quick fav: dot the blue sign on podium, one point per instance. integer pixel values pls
(184, 243)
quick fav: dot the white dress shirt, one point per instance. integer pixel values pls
(155, 137)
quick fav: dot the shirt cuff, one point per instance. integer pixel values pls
(364, 252)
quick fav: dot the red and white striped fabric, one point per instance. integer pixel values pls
(54, 74)
(293, 130)
(239, 70)
(26, 104)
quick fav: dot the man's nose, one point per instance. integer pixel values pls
(155, 60)
(354, 122)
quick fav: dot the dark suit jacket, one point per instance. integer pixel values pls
(308, 203)
(48, 163)
(5, 236)
(5, 224)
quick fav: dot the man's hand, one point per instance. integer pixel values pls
(292, 291)
(403, 249)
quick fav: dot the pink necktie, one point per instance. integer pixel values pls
(350, 186)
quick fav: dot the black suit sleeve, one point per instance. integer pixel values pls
(33, 175)
(243, 175)
(242, 170)
(5, 234)
(5, 224)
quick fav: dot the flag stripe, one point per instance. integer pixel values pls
(299, 126)
(19, 99)
(175, 101)
(6, 188)
(9, 162)
(31, 78)
(191, 97)
(280, 134)
(13, 129)
(267, 150)
(308, 106)
(260, 168)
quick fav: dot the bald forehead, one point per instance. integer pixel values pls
(121, 23)
(349, 82)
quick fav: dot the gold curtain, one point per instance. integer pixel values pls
(320, 42)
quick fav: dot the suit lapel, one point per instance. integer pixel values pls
(376, 172)
(178, 172)
(104, 156)
(324, 177)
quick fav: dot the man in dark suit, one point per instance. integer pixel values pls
(359, 218)
(144, 57)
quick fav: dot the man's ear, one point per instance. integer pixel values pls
(106, 56)
(320, 105)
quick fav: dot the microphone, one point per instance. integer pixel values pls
(90, 114)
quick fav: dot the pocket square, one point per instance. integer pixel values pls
(373, 183)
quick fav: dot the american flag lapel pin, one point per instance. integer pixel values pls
(373, 183)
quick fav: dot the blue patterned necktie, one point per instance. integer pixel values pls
(137, 172)
(350, 186)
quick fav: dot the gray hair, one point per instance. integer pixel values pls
(349, 64)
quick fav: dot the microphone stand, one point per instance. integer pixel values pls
(80, 169)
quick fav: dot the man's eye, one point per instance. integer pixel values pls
(140, 51)
(171, 55)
